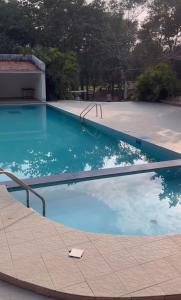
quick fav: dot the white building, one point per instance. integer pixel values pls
(22, 77)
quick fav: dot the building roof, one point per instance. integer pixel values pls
(17, 66)
(14, 63)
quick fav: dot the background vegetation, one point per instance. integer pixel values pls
(157, 82)
(97, 44)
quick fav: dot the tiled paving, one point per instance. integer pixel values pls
(34, 255)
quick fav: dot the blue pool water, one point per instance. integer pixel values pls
(143, 204)
(41, 141)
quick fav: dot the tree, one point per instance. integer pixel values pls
(104, 36)
(164, 23)
(62, 71)
(15, 27)
(107, 45)
(145, 45)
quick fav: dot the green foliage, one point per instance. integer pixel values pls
(156, 83)
(16, 27)
(164, 23)
(61, 70)
(96, 31)
(159, 34)
(105, 37)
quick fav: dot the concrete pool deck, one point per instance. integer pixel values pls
(157, 123)
(34, 250)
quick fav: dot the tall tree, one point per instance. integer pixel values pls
(164, 23)
(16, 27)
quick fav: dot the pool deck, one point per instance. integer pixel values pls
(157, 123)
(34, 250)
(34, 255)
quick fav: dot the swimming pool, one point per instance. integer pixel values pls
(40, 141)
(146, 204)
(37, 141)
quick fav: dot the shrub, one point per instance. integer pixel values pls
(156, 83)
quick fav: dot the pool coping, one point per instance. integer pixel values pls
(97, 174)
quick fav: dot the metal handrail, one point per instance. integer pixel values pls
(27, 189)
(86, 109)
(89, 108)
(95, 105)
(100, 106)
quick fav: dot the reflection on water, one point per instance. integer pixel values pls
(143, 204)
(40, 141)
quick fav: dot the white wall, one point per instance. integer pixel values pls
(11, 85)
(40, 87)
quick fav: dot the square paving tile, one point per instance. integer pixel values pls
(175, 261)
(65, 276)
(73, 237)
(93, 267)
(19, 237)
(108, 247)
(25, 222)
(107, 286)
(5, 254)
(3, 239)
(171, 287)
(28, 249)
(118, 262)
(155, 250)
(160, 270)
(135, 279)
(54, 259)
(32, 270)
(49, 244)
(81, 289)
(152, 293)
(7, 268)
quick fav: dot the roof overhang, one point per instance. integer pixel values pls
(21, 72)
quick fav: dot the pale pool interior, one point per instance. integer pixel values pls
(147, 204)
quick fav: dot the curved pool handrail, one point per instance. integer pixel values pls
(27, 189)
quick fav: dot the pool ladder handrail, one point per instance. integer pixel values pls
(27, 188)
(89, 108)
